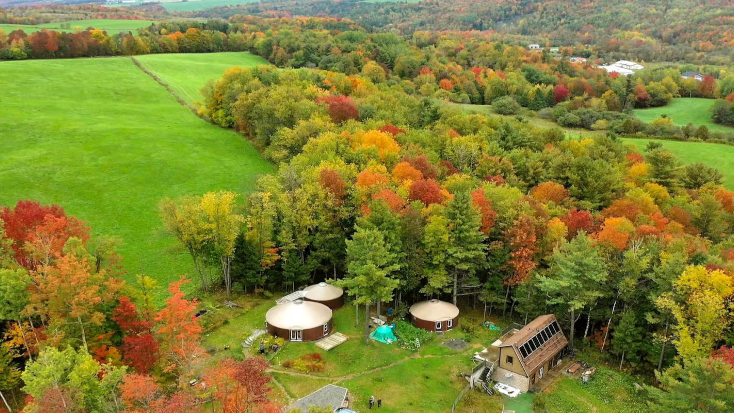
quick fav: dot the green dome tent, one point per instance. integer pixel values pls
(383, 334)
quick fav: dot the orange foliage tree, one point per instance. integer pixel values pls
(549, 192)
(178, 331)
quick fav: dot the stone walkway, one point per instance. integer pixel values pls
(255, 334)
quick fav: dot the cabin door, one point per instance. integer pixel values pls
(296, 335)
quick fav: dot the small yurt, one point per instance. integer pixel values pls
(326, 294)
(434, 315)
(299, 320)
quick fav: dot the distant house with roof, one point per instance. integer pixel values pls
(577, 59)
(692, 75)
(619, 70)
(534, 47)
(555, 49)
(329, 396)
(626, 64)
(526, 356)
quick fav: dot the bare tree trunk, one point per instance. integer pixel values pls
(356, 314)
(484, 317)
(367, 323)
(2, 396)
(226, 261)
(84, 335)
(25, 341)
(379, 304)
(507, 294)
(621, 361)
(456, 282)
(588, 321)
(609, 323)
(573, 321)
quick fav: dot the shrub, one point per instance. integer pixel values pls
(506, 105)
(569, 120)
(407, 335)
(601, 124)
(307, 363)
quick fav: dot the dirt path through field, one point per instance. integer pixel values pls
(355, 375)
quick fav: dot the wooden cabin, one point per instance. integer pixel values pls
(526, 356)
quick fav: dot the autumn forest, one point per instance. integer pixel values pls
(404, 152)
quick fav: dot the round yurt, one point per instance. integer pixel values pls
(435, 315)
(326, 294)
(299, 320)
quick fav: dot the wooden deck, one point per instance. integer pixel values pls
(327, 343)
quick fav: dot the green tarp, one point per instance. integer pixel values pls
(383, 334)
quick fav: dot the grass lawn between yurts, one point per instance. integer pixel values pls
(427, 380)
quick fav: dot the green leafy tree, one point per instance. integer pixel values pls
(576, 277)
(369, 271)
(703, 385)
(75, 377)
(466, 249)
(9, 373)
(663, 167)
(698, 174)
(222, 226)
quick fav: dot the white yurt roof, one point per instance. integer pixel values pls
(298, 315)
(434, 310)
(323, 292)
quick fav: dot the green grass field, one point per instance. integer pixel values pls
(202, 4)
(105, 141)
(186, 74)
(719, 156)
(684, 111)
(110, 26)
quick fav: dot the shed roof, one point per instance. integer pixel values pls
(327, 396)
(323, 292)
(298, 314)
(548, 348)
(434, 310)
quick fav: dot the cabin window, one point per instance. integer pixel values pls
(449, 323)
(439, 325)
(326, 328)
(508, 360)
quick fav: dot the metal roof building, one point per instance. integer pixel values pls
(434, 315)
(299, 320)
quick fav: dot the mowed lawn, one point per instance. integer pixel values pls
(105, 141)
(719, 156)
(187, 73)
(111, 26)
(684, 111)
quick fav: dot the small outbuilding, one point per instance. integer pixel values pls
(435, 315)
(299, 320)
(329, 397)
(326, 294)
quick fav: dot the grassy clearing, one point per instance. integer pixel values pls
(105, 141)
(719, 156)
(528, 115)
(111, 26)
(202, 4)
(608, 392)
(684, 111)
(187, 73)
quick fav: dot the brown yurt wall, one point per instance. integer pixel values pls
(333, 304)
(310, 334)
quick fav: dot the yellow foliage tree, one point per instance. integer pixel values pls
(701, 308)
